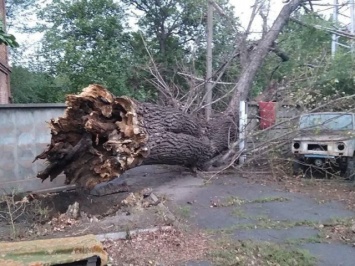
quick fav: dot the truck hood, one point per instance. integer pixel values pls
(326, 136)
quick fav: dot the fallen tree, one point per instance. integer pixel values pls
(101, 136)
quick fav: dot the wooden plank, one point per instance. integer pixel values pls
(52, 251)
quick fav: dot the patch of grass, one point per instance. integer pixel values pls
(263, 222)
(184, 212)
(319, 238)
(240, 213)
(233, 201)
(348, 221)
(230, 253)
(269, 199)
(283, 224)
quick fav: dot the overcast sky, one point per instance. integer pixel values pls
(243, 10)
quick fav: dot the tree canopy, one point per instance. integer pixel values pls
(5, 38)
(101, 42)
(85, 41)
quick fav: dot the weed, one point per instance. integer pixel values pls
(13, 210)
(318, 238)
(263, 222)
(259, 253)
(240, 213)
(269, 199)
(348, 221)
(184, 211)
(233, 201)
(40, 214)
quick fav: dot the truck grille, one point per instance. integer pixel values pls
(317, 147)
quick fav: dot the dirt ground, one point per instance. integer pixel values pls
(175, 246)
(236, 218)
(46, 215)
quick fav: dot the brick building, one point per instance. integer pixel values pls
(5, 93)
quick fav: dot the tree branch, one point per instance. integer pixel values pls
(245, 81)
(326, 29)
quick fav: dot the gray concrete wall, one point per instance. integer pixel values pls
(24, 134)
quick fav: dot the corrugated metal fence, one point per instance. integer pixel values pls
(24, 134)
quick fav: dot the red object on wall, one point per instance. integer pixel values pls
(267, 112)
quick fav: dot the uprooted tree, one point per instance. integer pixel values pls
(100, 136)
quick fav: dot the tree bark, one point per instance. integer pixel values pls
(101, 136)
(246, 78)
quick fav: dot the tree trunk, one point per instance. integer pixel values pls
(101, 136)
(245, 81)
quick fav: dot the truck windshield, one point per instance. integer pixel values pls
(327, 121)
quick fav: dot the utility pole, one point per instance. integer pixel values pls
(209, 84)
(352, 23)
(242, 127)
(335, 21)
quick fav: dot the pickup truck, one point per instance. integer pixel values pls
(326, 141)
